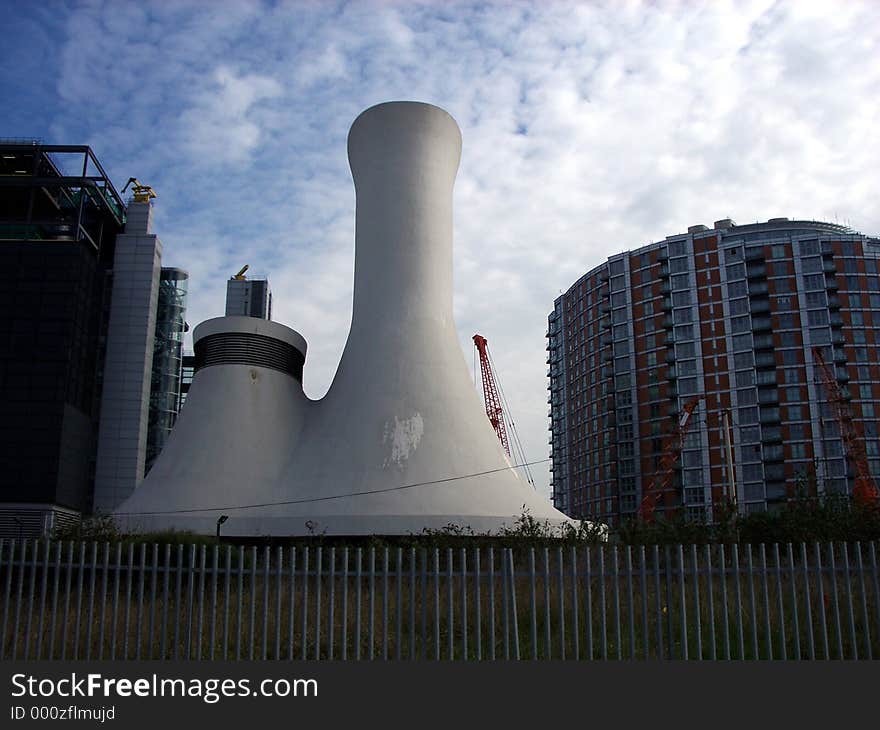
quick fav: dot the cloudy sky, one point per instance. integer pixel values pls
(588, 128)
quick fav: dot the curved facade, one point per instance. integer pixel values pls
(731, 313)
(400, 443)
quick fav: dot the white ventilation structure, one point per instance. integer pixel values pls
(400, 443)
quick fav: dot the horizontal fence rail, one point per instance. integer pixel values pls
(149, 601)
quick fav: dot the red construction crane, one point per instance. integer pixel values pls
(864, 489)
(671, 451)
(490, 393)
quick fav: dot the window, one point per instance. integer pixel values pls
(820, 336)
(683, 315)
(744, 360)
(737, 288)
(789, 339)
(809, 248)
(684, 332)
(685, 349)
(616, 267)
(748, 415)
(795, 413)
(681, 281)
(747, 397)
(792, 394)
(687, 367)
(814, 281)
(617, 283)
(736, 271)
(621, 331)
(742, 342)
(785, 304)
(745, 378)
(811, 265)
(739, 306)
(740, 324)
(786, 321)
(733, 254)
(858, 319)
(677, 266)
(782, 286)
(618, 299)
(777, 251)
(687, 386)
(681, 298)
(676, 248)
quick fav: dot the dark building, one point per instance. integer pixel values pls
(731, 314)
(59, 216)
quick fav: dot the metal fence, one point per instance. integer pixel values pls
(149, 601)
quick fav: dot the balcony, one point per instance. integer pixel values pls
(663, 255)
(771, 434)
(837, 338)
(665, 288)
(671, 373)
(763, 342)
(839, 356)
(757, 288)
(761, 306)
(664, 272)
(670, 356)
(833, 302)
(666, 304)
(667, 322)
(831, 283)
(835, 320)
(604, 308)
(768, 396)
(842, 375)
(755, 253)
(829, 267)
(605, 323)
(603, 275)
(765, 360)
(669, 340)
(760, 324)
(756, 271)
(769, 415)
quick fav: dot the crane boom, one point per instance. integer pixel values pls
(671, 452)
(864, 488)
(490, 393)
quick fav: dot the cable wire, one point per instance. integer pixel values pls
(328, 498)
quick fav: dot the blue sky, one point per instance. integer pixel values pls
(588, 128)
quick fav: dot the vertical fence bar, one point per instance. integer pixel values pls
(478, 616)
(319, 580)
(513, 611)
(548, 640)
(385, 604)
(90, 613)
(305, 605)
(811, 645)
(450, 623)
(710, 603)
(291, 604)
(437, 604)
(59, 547)
(753, 613)
(44, 587)
(32, 588)
(849, 602)
(165, 579)
(630, 605)
(821, 587)
(10, 566)
(832, 574)
(91, 601)
(264, 632)
(588, 601)
(115, 603)
(239, 618)
(153, 607)
(740, 633)
(780, 603)
(331, 601)
(766, 594)
(864, 594)
(533, 603)
(725, 623)
(139, 613)
(561, 603)
(423, 552)
(575, 628)
(661, 653)
(227, 598)
(102, 618)
(252, 606)
(464, 614)
(504, 603)
(178, 582)
(492, 603)
(68, 579)
(372, 604)
(279, 595)
(344, 603)
(603, 624)
(357, 618)
(698, 615)
(79, 596)
(876, 582)
(683, 601)
(16, 625)
(795, 629)
(643, 585)
(412, 603)
(615, 569)
(398, 612)
(215, 577)
(667, 580)
(190, 599)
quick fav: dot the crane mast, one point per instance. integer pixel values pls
(672, 447)
(864, 488)
(490, 393)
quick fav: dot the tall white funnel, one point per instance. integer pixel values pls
(400, 442)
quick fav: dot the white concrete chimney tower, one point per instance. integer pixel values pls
(400, 442)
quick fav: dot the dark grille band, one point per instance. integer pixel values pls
(241, 348)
